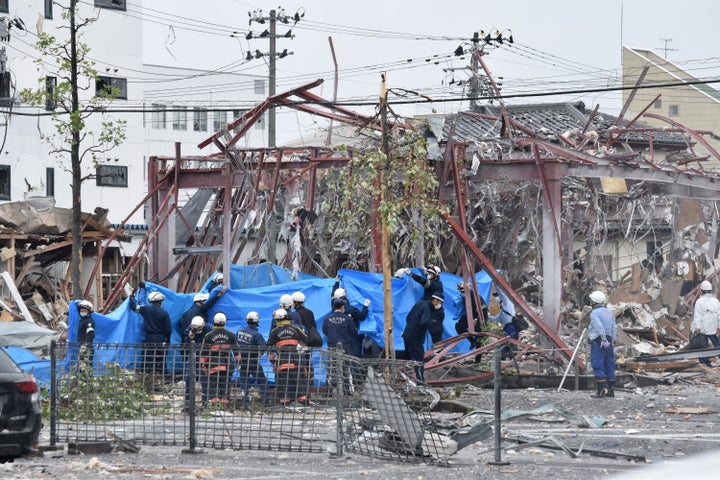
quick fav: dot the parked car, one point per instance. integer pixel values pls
(20, 410)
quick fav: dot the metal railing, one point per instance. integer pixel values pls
(151, 394)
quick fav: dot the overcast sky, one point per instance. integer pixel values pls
(560, 45)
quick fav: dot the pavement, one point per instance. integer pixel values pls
(668, 427)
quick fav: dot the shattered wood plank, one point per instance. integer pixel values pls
(17, 297)
(689, 410)
(677, 365)
(45, 249)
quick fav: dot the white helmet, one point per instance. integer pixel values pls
(598, 297)
(219, 278)
(253, 317)
(85, 304)
(286, 302)
(434, 269)
(298, 297)
(200, 297)
(156, 297)
(220, 318)
(706, 286)
(280, 314)
(339, 293)
(197, 322)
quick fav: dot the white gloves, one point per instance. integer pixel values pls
(399, 273)
(366, 302)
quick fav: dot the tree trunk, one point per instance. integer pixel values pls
(75, 161)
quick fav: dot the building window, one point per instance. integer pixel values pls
(48, 9)
(4, 182)
(179, 119)
(49, 182)
(674, 110)
(50, 84)
(111, 86)
(158, 118)
(4, 7)
(658, 103)
(111, 176)
(200, 118)
(260, 87)
(219, 120)
(114, 4)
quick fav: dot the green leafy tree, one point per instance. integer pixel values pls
(71, 138)
(410, 182)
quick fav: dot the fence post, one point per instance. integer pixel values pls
(497, 384)
(192, 415)
(53, 392)
(339, 395)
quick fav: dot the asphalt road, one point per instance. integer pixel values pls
(667, 426)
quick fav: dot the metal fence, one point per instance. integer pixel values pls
(149, 394)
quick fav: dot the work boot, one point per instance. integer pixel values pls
(610, 388)
(601, 389)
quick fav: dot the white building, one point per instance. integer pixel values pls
(160, 105)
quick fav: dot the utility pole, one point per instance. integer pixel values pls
(271, 87)
(273, 18)
(474, 79)
(478, 86)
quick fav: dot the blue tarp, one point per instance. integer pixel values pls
(125, 326)
(258, 288)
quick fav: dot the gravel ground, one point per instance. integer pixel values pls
(639, 423)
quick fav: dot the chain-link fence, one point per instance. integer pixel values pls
(292, 400)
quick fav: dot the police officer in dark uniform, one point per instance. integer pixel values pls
(358, 315)
(202, 303)
(156, 324)
(307, 319)
(339, 328)
(291, 379)
(219, 355)
(251, 345)
(432, 285)
(418, 321)
(86, 332)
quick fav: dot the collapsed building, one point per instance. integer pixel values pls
(559, 198)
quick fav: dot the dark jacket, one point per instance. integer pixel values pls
(250, 343)
(285, 338)
(431, 286)
(219, 349)
(461, 325)
(197, 311)
(339, 327)
(86, 329)
(156, 321)
(306, 317)
(418, 321)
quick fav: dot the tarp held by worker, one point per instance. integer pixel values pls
(259, 287)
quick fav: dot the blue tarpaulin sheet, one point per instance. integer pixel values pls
(259, 287)
(125, 326)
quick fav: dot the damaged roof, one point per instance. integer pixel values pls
(549, 120)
